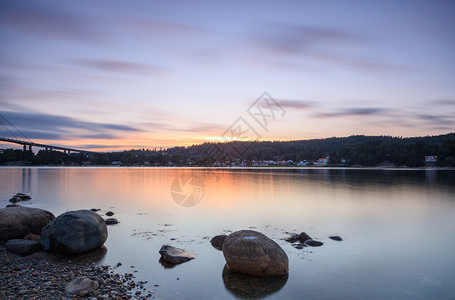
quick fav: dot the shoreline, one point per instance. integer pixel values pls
(234, 168)
(43, 275)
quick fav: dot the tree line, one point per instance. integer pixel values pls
(348, 151)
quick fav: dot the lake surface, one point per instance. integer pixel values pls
(398, 226)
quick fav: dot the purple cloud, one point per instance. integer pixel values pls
(46, 21)
(290, 44)
(122, 66)
(296, 104)
(363, 111)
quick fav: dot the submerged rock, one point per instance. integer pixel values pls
(217, 241)
(304, 237)
(173, 255)
(252, 253)
(313, 243)
(81, 286)
(74, 232)
(335, 238)
(18, 221)
(111, 221)
(23, 197)
(15, 200)
(22, 247)
(294, 237)
(109, 213)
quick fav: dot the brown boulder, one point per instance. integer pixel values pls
(18, 221)
(32, 237)
(252, 253)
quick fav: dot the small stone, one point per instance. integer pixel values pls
(335, 238)
(313, 243)
(173, 255)
(95, 209)
(22, 197)
(32, 237)
(111, 221)
(293, 238)
(79, 285)
(304, 237)
(217, 241)
(15, 200)
(119, 264)
(83, 293)
(109, 213)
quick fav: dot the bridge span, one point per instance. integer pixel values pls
(29, 145)
(10, 134)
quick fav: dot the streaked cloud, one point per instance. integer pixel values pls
(296, 104)
(352, 112)
(46, 125)
(442, 102)
(289, 38)
(47, 21)
(286, 42)
(119, 66)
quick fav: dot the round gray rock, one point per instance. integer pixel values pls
(18, 221)
(252, 253)
(22, 247)
(74, 232)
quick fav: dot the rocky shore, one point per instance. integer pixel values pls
(42, 275)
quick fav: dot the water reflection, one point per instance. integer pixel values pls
(26, 180)
(166, 265)
(94, 256)
(252, 287)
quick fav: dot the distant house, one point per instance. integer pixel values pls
(321, 161)
(431, 158)
(343, 160)
(116, 163)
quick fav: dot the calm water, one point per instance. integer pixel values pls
(398, 226)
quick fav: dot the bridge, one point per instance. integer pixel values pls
(10, 134)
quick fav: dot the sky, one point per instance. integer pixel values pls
(115, 75)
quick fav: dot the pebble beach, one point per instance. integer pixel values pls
(42, 275)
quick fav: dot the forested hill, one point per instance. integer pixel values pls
(346, 151)
(355, 150)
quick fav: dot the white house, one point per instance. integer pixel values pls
(431, 158)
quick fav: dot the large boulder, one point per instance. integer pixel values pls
(252, 253)
(18, 221)
(74, 232)
(22, 247)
